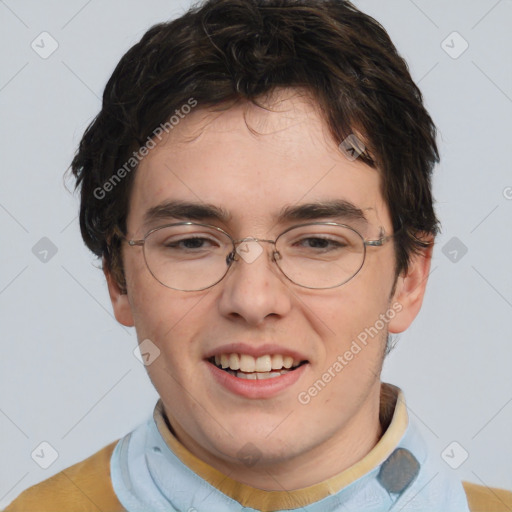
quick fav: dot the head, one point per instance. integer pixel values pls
(241, 106)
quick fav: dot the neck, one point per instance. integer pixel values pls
(336, 454)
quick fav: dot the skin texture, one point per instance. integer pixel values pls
(214, 158)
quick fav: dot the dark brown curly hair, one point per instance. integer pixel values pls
(223, 51)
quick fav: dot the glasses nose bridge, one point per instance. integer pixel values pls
(252, 239)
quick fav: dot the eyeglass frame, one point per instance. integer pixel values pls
(234, 256)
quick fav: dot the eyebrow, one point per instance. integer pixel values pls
(339, 209)
(184, 210)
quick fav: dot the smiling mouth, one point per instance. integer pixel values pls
(264, 367)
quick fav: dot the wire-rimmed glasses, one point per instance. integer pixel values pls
(191, 256)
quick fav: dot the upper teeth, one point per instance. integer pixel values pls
(247, 363)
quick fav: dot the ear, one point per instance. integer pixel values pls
(410, 289)
(119, 299)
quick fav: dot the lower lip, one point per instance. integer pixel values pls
(265, 388)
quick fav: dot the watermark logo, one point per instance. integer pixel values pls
(454, 45)
(44, 45)
(44, 250)
(454, 250)
(146, 352)
(44, 455)
(454, 455)
(249, 454)
(352, 147)
(250, 250)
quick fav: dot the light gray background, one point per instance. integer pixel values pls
(68, 375)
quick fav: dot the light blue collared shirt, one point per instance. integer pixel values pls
(148, 477)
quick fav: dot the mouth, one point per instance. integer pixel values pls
(245, 366)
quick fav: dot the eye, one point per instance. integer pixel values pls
(190, 243)
(321, 243)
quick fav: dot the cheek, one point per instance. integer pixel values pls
(165, 316)
(159, 313)
(356, 306)
(354, 321)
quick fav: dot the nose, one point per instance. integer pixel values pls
(254, 288)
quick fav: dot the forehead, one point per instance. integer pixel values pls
(252, 162)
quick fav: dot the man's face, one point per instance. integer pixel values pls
(214, 159)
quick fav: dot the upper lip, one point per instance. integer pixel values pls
(255, 351)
